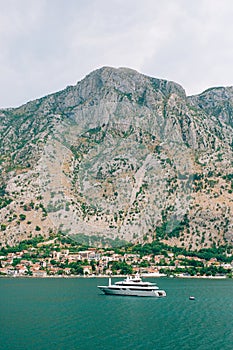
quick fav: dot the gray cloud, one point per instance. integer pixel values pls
(48, 44)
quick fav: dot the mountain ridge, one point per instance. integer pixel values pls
(119, 155)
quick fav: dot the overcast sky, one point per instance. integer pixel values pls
(46, 45)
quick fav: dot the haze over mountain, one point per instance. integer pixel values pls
(119, 156)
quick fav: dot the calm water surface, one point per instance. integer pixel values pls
(73, 314)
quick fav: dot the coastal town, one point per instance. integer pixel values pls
(59, 256)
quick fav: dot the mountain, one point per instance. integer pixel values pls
(119, 156)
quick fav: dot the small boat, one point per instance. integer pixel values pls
(191, 298)
(133, 286)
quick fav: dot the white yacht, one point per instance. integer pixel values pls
(133, 286)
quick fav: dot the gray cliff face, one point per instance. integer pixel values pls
(119, 156)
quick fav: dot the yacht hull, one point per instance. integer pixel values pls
(136, 293)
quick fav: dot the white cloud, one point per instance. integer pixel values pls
(199, 50)
(48, 44)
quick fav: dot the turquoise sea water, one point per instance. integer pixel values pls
(73, 314)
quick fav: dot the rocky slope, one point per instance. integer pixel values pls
(119, 156)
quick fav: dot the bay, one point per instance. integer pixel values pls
(71, 313)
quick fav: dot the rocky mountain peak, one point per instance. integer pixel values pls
(130, 81)
(112, 84)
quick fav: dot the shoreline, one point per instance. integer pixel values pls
(117, 276)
